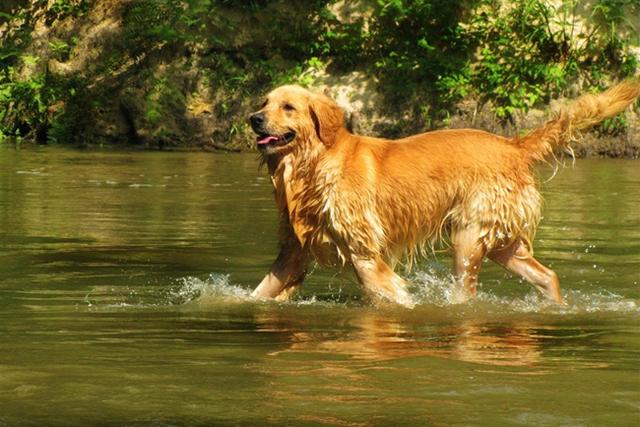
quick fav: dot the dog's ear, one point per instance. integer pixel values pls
(327, 118)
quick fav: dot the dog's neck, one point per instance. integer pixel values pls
(272, 163)
(295, 176)
(302, 159)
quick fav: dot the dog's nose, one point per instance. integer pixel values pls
(257, 120)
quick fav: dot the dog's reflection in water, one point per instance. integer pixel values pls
(376, 336)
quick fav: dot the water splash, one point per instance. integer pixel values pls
(432, 288)
(602, 301)
(216, 287)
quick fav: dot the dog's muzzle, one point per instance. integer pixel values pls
(264, 138)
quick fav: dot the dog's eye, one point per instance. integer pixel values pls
(264, 104)
(288, 107)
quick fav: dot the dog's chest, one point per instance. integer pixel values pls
(308, 203)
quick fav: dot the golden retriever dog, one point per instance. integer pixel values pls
(348, 199)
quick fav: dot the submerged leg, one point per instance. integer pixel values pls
(517, 259)
(380, 282)
(469, 252)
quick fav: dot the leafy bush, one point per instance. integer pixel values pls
(426, 55)
(515, 54)
(528, 52)
(32, 100)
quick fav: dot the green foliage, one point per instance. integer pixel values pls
(40, 108)
(414, 43)
(152, 21)
(35, 104)
(515, 54)
(61, 9)
(60, 49)
(527, 52)
(425, 54)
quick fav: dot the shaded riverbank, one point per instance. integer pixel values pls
(591, 146)
(186, 73)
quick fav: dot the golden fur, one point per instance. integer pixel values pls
(367, 201)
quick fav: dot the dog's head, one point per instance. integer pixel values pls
(292, 116)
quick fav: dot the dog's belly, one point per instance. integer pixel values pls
(325, 251)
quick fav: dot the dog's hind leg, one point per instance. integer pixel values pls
(517, 259)
(380, 282)
(469, 251)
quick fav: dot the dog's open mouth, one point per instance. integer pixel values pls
(265, 140)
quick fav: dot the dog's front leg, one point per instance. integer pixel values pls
(286, 274)
(380, 282)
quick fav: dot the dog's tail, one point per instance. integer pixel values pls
(583, 113)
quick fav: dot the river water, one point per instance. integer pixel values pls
(124, 283)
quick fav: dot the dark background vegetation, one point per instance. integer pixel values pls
(176, 73)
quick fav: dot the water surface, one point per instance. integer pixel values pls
(124, 282)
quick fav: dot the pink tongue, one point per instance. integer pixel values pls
(266, 140)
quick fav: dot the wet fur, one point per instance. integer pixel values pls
(368, 202)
